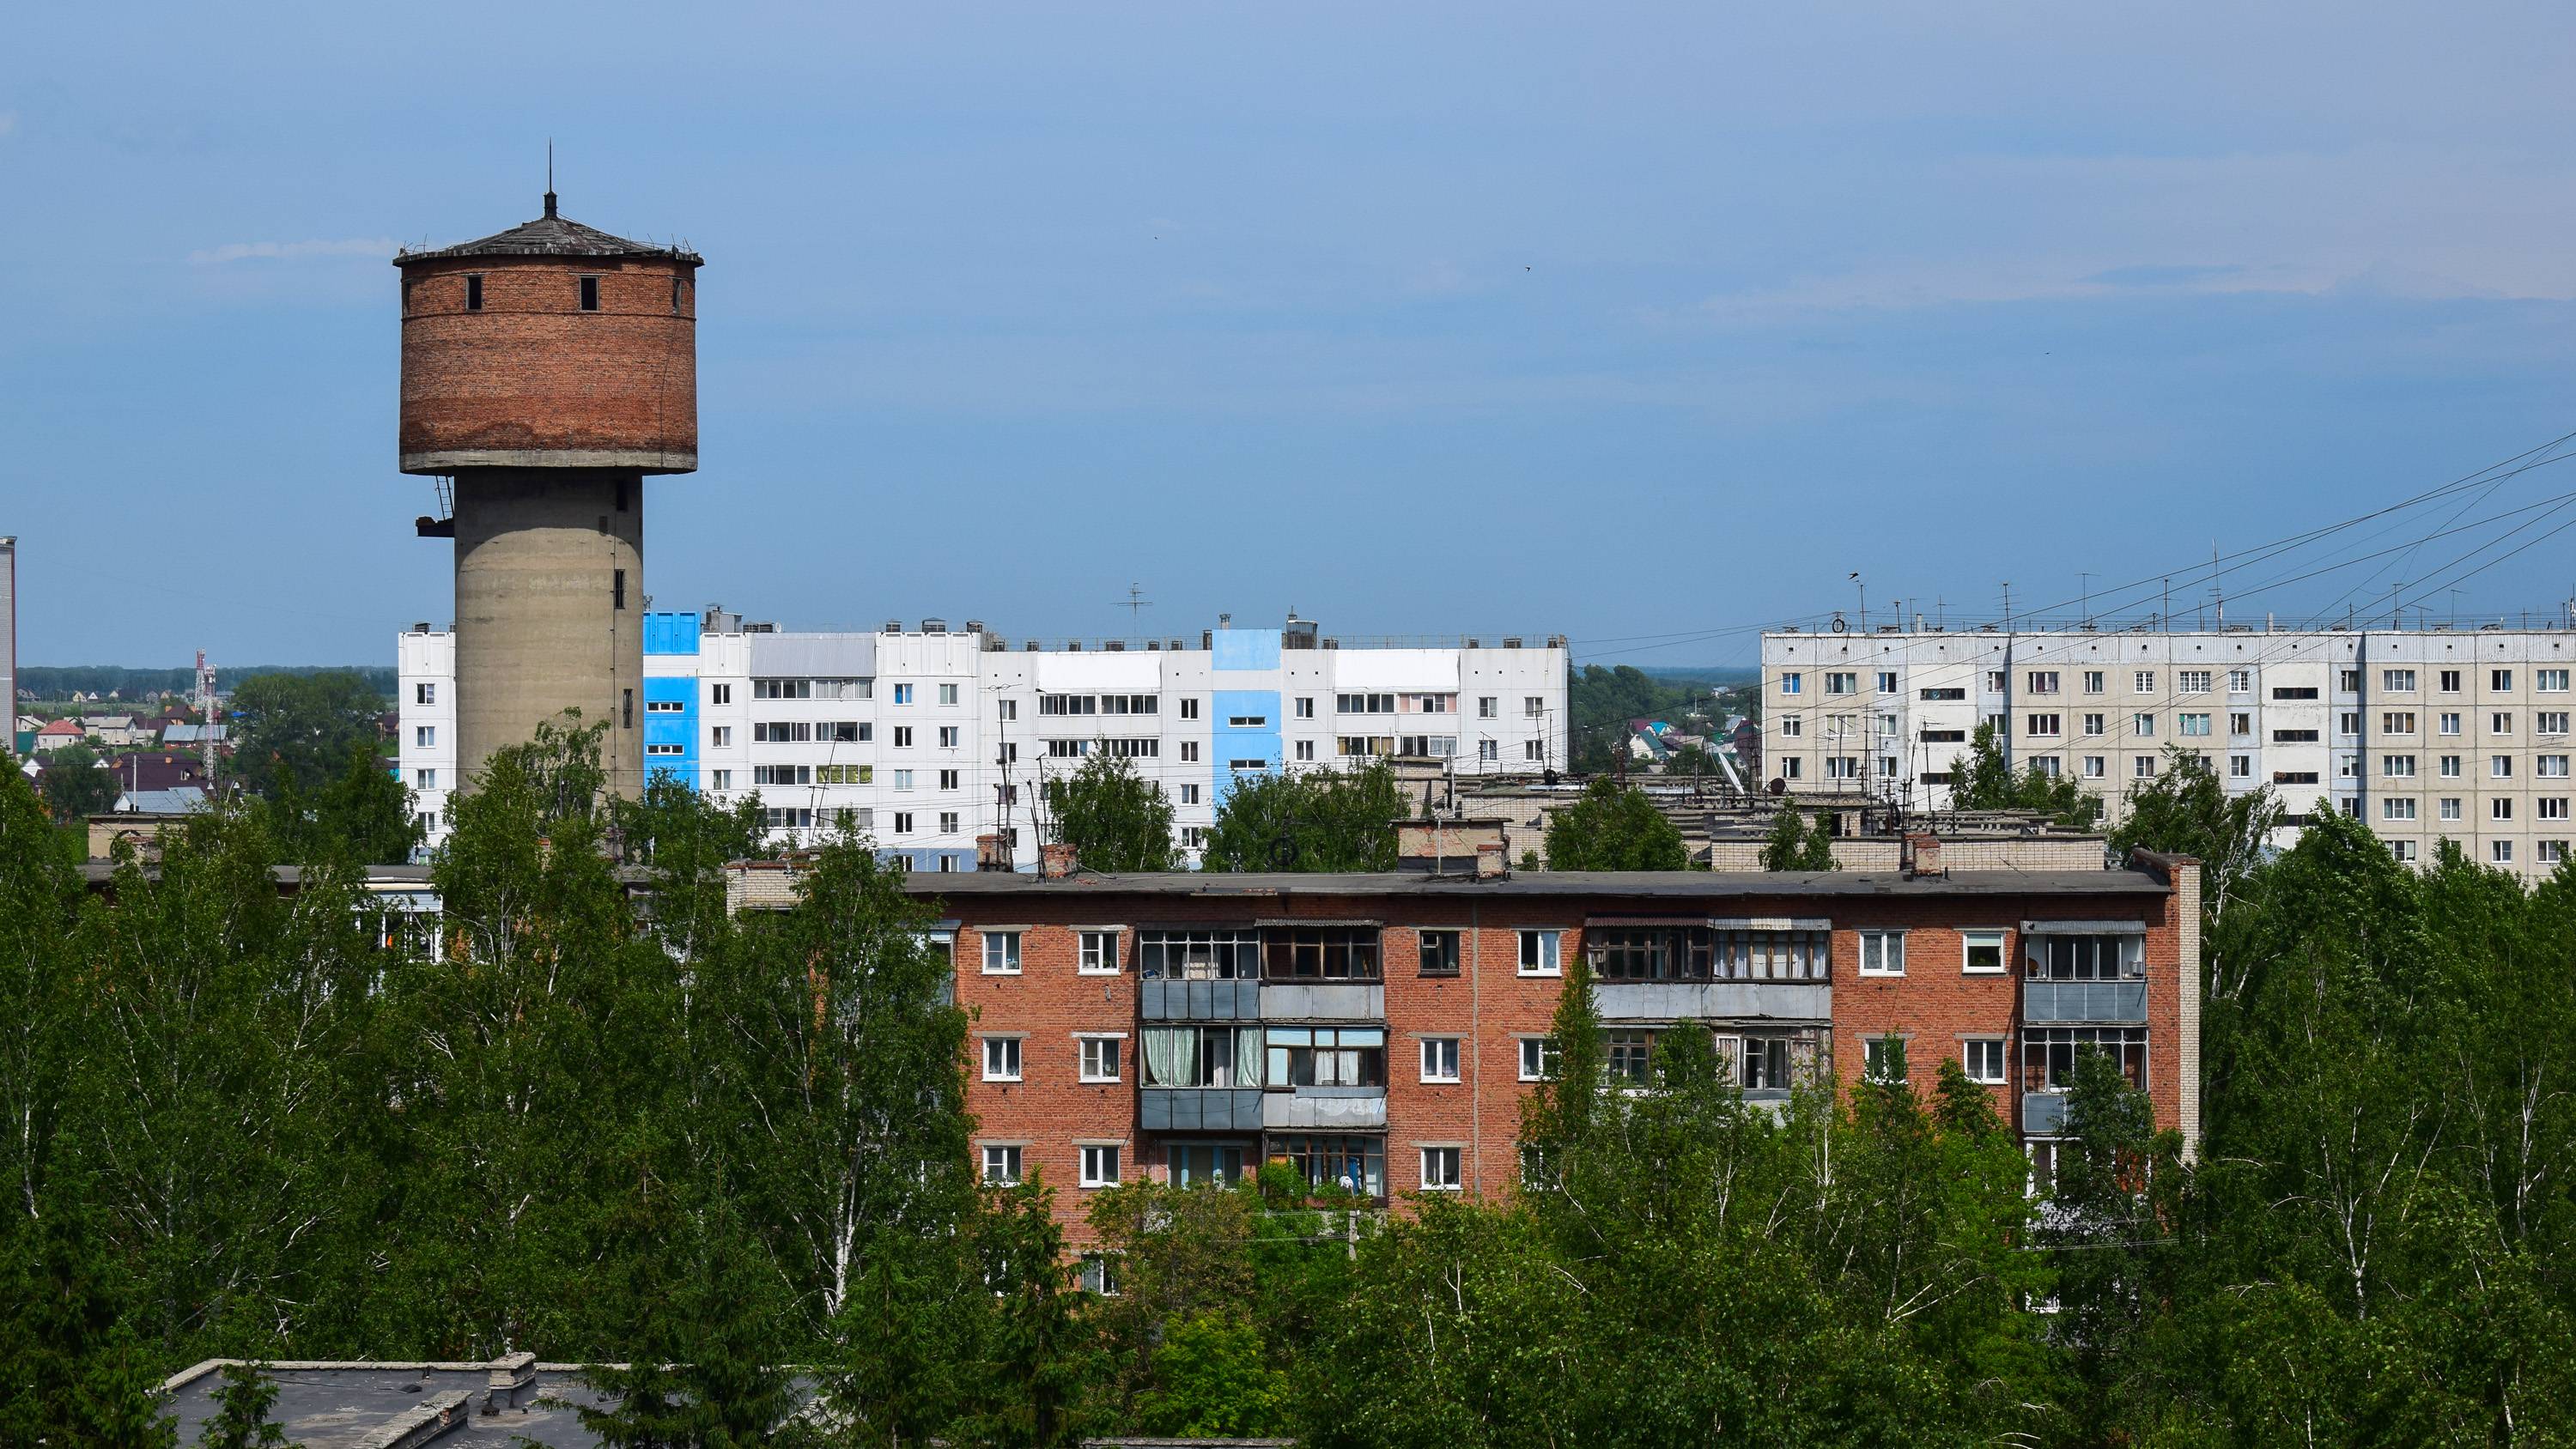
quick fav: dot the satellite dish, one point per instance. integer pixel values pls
(1778, 786)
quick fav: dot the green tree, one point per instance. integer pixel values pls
(301, 727)
(362, 815)
(242, 1404)
(1614, 826)
(1794, 845)
(1985, 782)
(708, 1358)
(2186, 810)
(1311, 820)
(76, 785)
(1114, 818)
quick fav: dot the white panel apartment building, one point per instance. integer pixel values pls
(2424, 733)
(925, 739)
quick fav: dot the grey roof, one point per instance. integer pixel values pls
(551, 236)
(1676, 886)
(177, 800)
(345, 1405)
(193, 734)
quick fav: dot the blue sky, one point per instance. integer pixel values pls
(1609, 321)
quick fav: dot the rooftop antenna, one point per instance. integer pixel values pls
(550, 176)
(1136, 604)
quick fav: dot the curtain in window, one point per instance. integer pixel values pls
(1171, 1056)
(1247, 1058)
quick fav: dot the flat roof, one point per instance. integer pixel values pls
(345, 1405)
(1673, 885)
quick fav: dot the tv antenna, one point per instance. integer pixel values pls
(1135, 604)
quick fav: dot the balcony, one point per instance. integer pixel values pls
(1331, 1109)
(1333, 1001)
(1714, 1000)
(1205, 1109)
(2055, 1001)
(1200, 1000)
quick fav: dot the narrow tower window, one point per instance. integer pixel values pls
(617, 586)
(621, 495)
(473, 291)
(675, 296)
(590, 294)
(628, 719)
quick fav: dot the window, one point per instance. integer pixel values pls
(473, 291)
(1001, 948)
(2043, 681)
(1994, 681)
(2500, 808)
(719, 694)
(2093, 767)
(1792, 727)
(1486, 706)
(2500, 722)
(1532, 706)
(1189, 709)
(2500, 767)
(424, 736)
(666, 749)
(617, 588)
(2095, 724)
(2192, 681)
(1189, 751)
(948, 694)
(1305, 751)
(1984, 1059)
(2404, 850)
(2549, 681)
(1537, 750)
(2084, 957)
(1789, 768)
(720, 736)
(1001, 1059)
(1099, 1169)
(1942, 694)
(2240, 681)
(1440, 1059)
(1327, 1056)
(785, 817)
(2397, 722)
(1882, 953)
(1981, 952)
(428, 822)
(1190, 794)
(1356, 1165)
(2397, 807)
(903, 694)
(720, 779)
(949, 736)
(1101, 1058)
(903, 779)
(1842, 767)
(424, 694)
(2240, 767)
(2192, 724)
(2500, 680)
(1631, 1055)
(2093, 681)
(2450, 681)
(2348, 722)
(1487, 751)
(1204, 954)
(2549, 722)
(2294, 737)
(1883, 1058)
(2146, 682)
(1440, 952)
(2143, 768)
(1193, 836)
(2553, 807)
(2348, 681)
(1323, 953)
(2397, 767)
(1364, 703)
(2500, 852)
(424, 779)
(948, 823)
(2552, 767)
(2143, 726)
(2450, 807)
(2450, 767)
(2048, 1054)
(1001, 1166)
(1440, 1169)
(2450, 723)
(2043, 726)
(1791, 682)
(1538, 1058)
(2551, 852)
(2397, 681)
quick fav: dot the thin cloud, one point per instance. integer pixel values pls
(293, 251)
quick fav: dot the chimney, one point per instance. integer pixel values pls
(1492, 863)
(509, 1374)
(1922, 854)
(988, 853)
(1055, 862)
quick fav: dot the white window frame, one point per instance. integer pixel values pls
(1001, 950)
(1433, 1049)
(1095, 1156)
(1442, 1161)
(1542, 952)
(1872, 1072)
(1089, 1046)
(1005, 1057)
(1881, 946)
(1002, 1164)
(2002, 1059)
(1970, 939)
(1538, 1058)
(1096, 945)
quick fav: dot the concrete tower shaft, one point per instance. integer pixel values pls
(547, 370)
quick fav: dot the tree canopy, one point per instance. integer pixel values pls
(1114, 818)
(1797, 844)
(1614, 826)
(300, 728)
(1307, 820)
(1984, 782)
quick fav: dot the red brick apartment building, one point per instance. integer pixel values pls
(1380, 1030)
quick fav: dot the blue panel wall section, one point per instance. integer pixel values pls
(1245, 649)
(672, 727)
(1229, 742)
(926, 862)
(670, 632)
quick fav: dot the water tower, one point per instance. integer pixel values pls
(547, 371)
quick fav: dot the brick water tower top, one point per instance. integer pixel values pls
(550, 345)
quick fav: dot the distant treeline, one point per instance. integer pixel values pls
(60, 681)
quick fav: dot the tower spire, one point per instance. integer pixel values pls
(550, 176)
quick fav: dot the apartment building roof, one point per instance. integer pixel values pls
(365, 1405)
(1679, 886)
